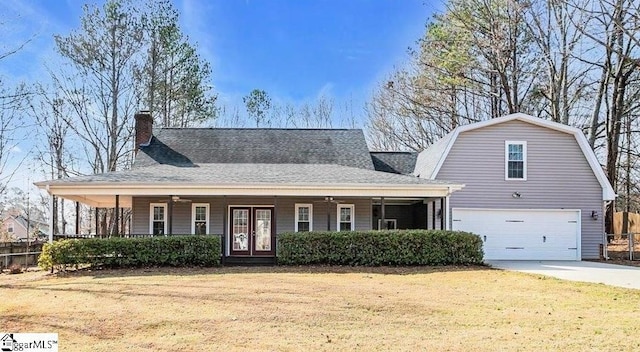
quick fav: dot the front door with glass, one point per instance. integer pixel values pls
(251, 232)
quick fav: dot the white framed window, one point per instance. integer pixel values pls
(200, 218)
(158, 218)
(304, 218)
(10, 227)
(515, 160)
(346, 217)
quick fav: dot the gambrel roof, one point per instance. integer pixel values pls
(431, 159)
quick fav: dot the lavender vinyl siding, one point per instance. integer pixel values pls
(284, 209)
(558, 175)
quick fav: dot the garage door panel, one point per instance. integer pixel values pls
(522, 234)
(530, 254)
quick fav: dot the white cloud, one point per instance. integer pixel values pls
(16, 149)
(196, 22)
(325, 91)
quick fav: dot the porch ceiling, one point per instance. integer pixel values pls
(99, 201)
(103, 196)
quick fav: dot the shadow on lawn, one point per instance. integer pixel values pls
(99, 273)
(116, 289)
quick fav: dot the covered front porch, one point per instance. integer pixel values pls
(248, 205)
(250, 222)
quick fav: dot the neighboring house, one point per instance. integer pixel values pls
(533, 188)
(15, 225)
(250, 184)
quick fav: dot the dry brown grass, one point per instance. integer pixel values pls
(322, 309)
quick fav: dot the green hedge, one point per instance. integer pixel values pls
(132, 252)
(374, 248)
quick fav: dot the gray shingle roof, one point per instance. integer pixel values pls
(234, 174)
(394, 162)
(187, 146)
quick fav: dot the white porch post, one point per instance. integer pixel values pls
(117, 217)
(433, 215)
(226, 228)
(383, 214)
(447, 213)
(77, 218)
(443, 214)
(51, 200)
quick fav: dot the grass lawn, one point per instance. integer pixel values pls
(321, 309)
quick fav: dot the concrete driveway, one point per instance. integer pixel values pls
(608, 274)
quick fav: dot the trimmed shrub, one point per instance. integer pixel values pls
(375, 248)
(132, 252)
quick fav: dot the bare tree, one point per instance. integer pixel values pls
(100, 87)
(13, 102)
(49, 110)
(563, 80)
(175, 81)
(12, 123)
(612, 28)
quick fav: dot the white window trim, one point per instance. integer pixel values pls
(10, 227)
(153, 205)
(298, 206)
(353, 216)
(524, 160)
(193, 216)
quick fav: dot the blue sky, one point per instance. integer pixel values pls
(296, 50)
(293, 49)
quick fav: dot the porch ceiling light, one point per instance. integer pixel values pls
(516, 195)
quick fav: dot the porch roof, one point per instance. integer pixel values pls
(243, 179)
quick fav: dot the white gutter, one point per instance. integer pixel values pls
(255, 190)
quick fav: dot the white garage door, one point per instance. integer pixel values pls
(523, 234)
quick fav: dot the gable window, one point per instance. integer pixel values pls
(157, 218)
(346, 217)
(200, 218)
(515, 160)
(10, 227)
(304, 218)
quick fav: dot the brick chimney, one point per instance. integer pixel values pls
(144, 129)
